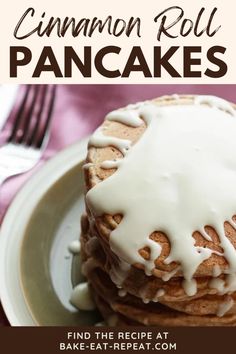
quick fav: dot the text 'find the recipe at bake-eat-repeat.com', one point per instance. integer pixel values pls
(117, 341)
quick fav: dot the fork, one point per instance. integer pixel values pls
(29, 132)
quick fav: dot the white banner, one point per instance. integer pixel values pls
(105, 41)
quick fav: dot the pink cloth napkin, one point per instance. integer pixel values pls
(79, 109)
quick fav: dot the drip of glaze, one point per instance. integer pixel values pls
(168, 276)
(119, 273)
(225, 307)
(215, 103)
(159, 293)
(122, 116)
(181, 175)
(205, 234)
(110, 164)
(100, 324)
(216, 271)
(230, 283)
(146, 300)
(86, 166)
(100, 140)
(175, 96)
(74, 247)
(155, 251)
(217, 284)
(224, 286)
(232, 223)
(81, 297)
(122, 292)
(143, 294)
(190, 286)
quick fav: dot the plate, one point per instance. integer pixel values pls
(35, 264)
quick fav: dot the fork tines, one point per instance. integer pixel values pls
(32, 120)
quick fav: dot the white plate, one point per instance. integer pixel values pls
(18, 281)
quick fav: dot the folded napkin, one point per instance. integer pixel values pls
(79, 109)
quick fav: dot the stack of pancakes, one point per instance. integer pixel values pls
(126, 295)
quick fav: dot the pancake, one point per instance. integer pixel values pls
(125, 307)
(152, 288)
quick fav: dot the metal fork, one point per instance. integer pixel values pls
(29, 133)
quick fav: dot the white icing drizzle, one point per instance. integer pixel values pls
(86, 166)
(155, 251)
(232, 223)
(110, 164)
(74, 247)
(168, 276)
(143, 294)
(216, 271)
(146, 300)
(190, 286)
(226, 286)
(81, 297)
(225, 307)
(216, 103)
(122, 292)
(100, 324)
(175, 96)
(100, 140)
(218, 284)
(230, 283)
(205, 234)
(159, 293)
(136, 105)
(178, 178)
(124, 117)
(119, 273)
